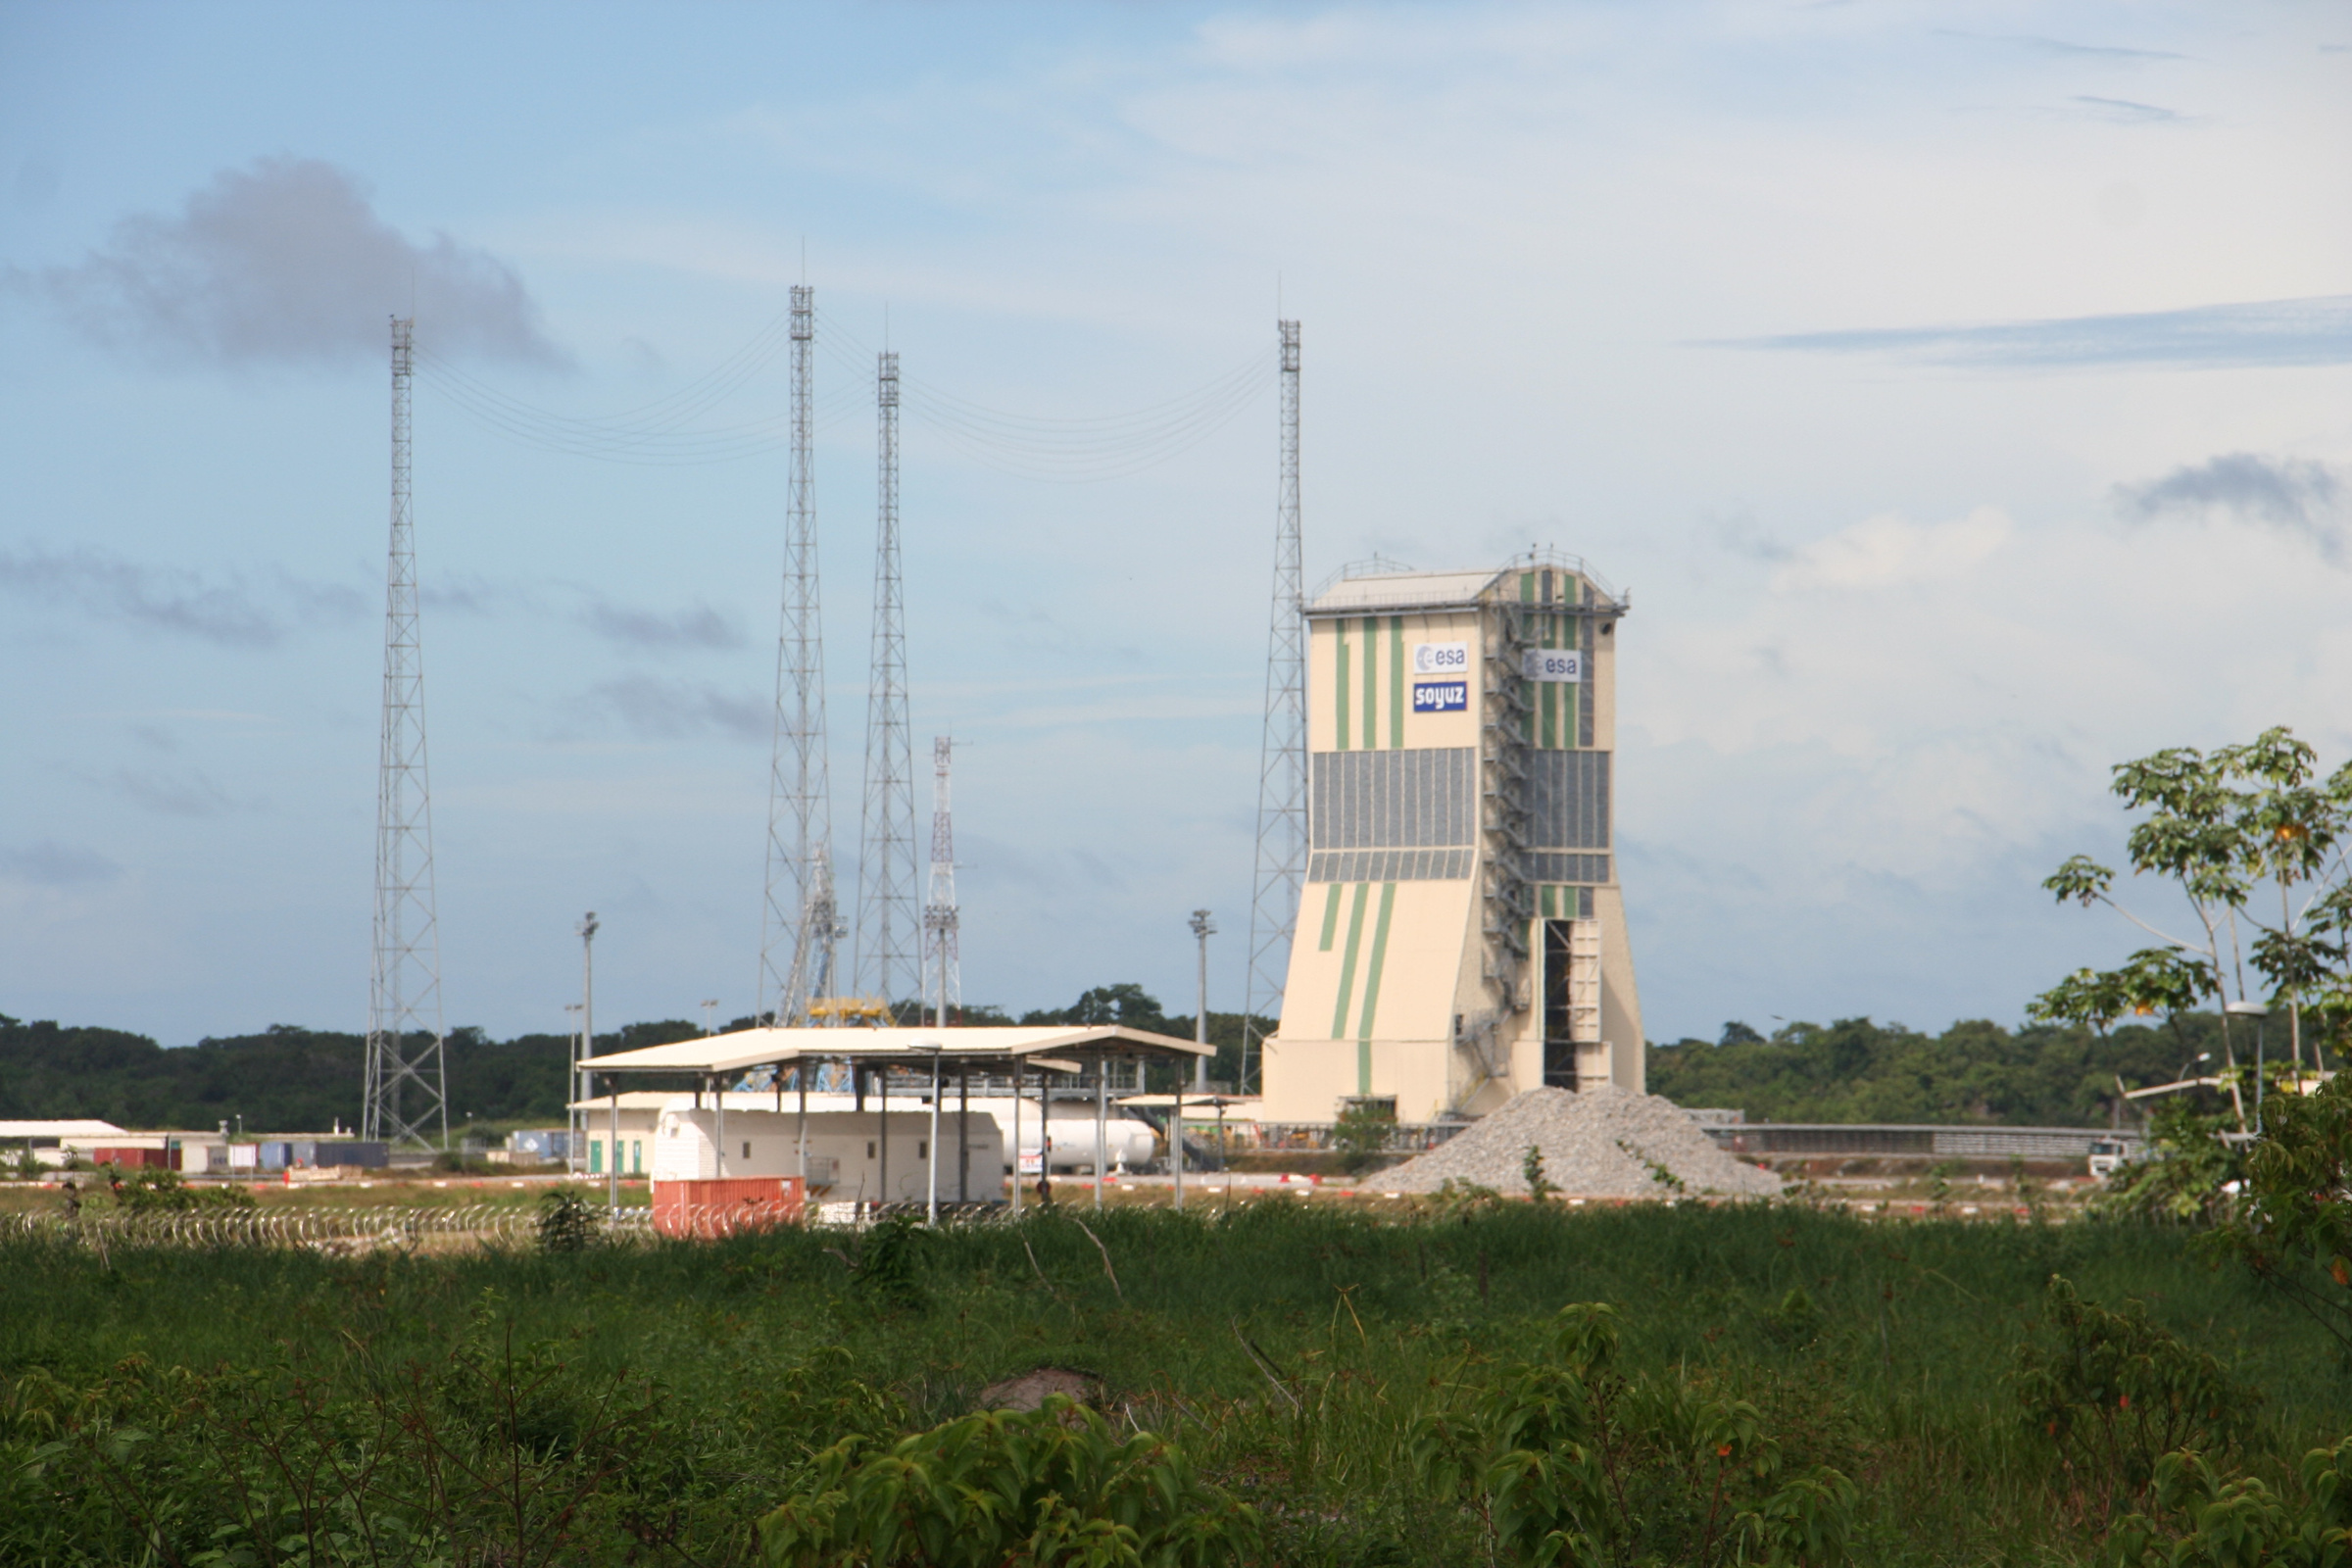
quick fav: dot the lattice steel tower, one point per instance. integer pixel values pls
(888, 937)
(1282, 765)
(800, 923)
(943, 970)
(405, 1100)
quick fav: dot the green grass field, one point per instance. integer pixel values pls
(649, 1402)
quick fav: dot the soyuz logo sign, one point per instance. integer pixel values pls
(1440, 696)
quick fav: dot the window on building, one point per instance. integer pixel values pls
(869, 1148)
(746, 1148)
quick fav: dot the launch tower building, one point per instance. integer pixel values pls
(1461, 936)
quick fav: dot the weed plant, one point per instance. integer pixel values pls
(653, 1403)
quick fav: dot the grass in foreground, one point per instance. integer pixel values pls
(651, 1403)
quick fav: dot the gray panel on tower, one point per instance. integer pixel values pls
(1422, 801)
(1568, 799)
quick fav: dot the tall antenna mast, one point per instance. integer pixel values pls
(1282, 765)
(888, 939)
(800, 923)
(942, 968)
(406, 1096)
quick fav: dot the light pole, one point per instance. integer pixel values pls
(709, 1015)
(572, 1075)
(579, 1084)
(1202, 929)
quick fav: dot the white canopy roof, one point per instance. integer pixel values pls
(61, 1129)
(746, 1049)
(1400, 590)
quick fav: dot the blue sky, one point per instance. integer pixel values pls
(1961, 391)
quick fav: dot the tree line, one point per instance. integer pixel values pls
(287, 1078)
(1855, 1070)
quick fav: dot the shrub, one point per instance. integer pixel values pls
(1047, 1488)
(2116, 1393)
(2202, 1519)
(568, 1222)
(1568, 1461)
(1361, 1134)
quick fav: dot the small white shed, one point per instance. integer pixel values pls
(847, 1155)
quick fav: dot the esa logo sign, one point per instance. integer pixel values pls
(1440, 659)
(1440, 696)
(1552, 664)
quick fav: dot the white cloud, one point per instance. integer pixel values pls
(1891, 552)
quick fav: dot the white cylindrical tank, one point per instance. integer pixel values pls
(1067, 1137)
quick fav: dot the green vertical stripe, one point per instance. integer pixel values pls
(1339, 632)
(1355, 934)
(1371, 683)
(1552, 690)
(1395, 681)
(1380, 952)
(1331, 917)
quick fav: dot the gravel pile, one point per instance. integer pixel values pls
(1595, 1144)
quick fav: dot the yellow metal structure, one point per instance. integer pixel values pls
(838, 1012)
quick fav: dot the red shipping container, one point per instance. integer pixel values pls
(132, 1159)
(712, 1209)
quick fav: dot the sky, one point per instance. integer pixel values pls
(1963, 393)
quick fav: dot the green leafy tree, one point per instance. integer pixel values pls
(2294, 1225)
(2183, 1173)
(2231, 831)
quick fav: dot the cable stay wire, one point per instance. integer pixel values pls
(661, 415)
(1088, 446)
(1067, 450)
(1075, 427)
(1071, 469)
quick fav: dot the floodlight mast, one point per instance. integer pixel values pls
(1282, 765)
(404, 993)
(577, 1123)
(889, 940)
(800, 922)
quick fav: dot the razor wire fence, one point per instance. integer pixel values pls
(325, 1228)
